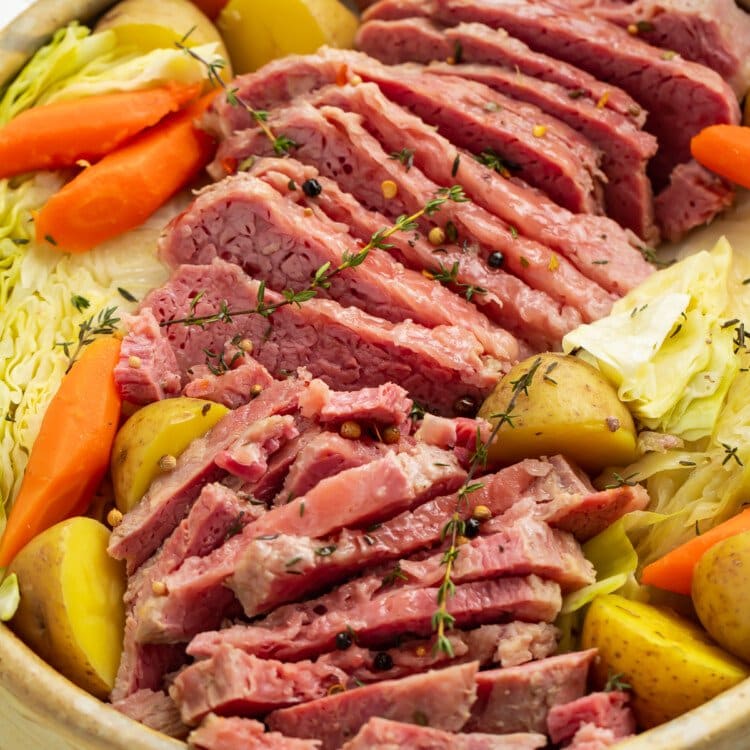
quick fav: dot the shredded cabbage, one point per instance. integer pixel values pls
(10, 596)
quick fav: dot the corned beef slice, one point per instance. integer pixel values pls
(345, 347)
(245, 221)
(233, 733)
(693, 197)
(384, 734)
(145, 527)
(216, 511)
(682, 97)
(264, 561)
(154, 709)
(232, 682)
(592, 737)
(507, 645)
(289, 635)
(604, 710)
(715, 33)
(518, 699)
(196, 596)
(441, 698)
(232, 388)
(625, 147)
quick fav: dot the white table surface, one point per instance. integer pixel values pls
(9, 9)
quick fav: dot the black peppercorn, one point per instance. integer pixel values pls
(343, 640)
(466, 406)
(312, 188)
(471, 528)
(383, 662)
(496, 260)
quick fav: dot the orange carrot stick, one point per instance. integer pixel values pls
(674, 571)
(724, 149)
(60, 134)
(71, 452)
(122, 190)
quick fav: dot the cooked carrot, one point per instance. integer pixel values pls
(71, 452)
(211, 8)
(122, 190)
(724, 149)
(60, 134)
(674, 571)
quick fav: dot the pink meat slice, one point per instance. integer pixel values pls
(233, 388)
(444, 697)
(604, 710)
(154, 709)
(234, 733)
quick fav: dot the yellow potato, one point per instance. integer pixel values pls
(148, 25)
(164, 428)
(71, 611)
(670, 663)
(568, 407)
(257, 31)
(720, 582)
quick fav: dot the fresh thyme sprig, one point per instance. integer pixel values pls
(442, 620)
(321, 279)
(281, 143)
(103, 324)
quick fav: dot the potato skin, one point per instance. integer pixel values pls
(720, 585)
(670, 663)
(71, 611)
(569, 408)
(159, 429)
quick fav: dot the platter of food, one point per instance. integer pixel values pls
(374, 375)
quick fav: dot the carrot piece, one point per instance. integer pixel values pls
(674, 571)
(211, 8)
(122, 190)
(71, 452)
(60, 134)
(724, 149)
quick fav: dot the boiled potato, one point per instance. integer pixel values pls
(257, 31)
(71, 611)
(669, 662)
(568, 407)
(148, 25)
(720, 584)
(164, 428)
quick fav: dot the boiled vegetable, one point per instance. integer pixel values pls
(71, 452)
(123, 189)
(721, 578)
(257, 31)
(154, 435)
(724, 149)
(58, 135)
(674, 571)
(566, 406)
(669, 662)
(211, 8)
(71, 610)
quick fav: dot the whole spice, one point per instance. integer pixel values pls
(383, 662)
(312, 188)
(350, 430)
(496, 259)
(343, 640)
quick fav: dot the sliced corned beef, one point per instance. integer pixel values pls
(233, 387)
(682, 97)
(154, 709)
(232, 682)
(325, 455)
(507, 645)
(693, 197)
(265, 561)
(592, 737)
(145, 527)
(346, 347)
(522, 548)
(604, 710)
(288, 635)
(625, 147)
(384, 734)
(411, 249)
(440, 699)
(500, 48)
(234, 733)
(518, 699)
(715, 33)
(196, 597)
(244, 220)
(215, 513)
(596, 245)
